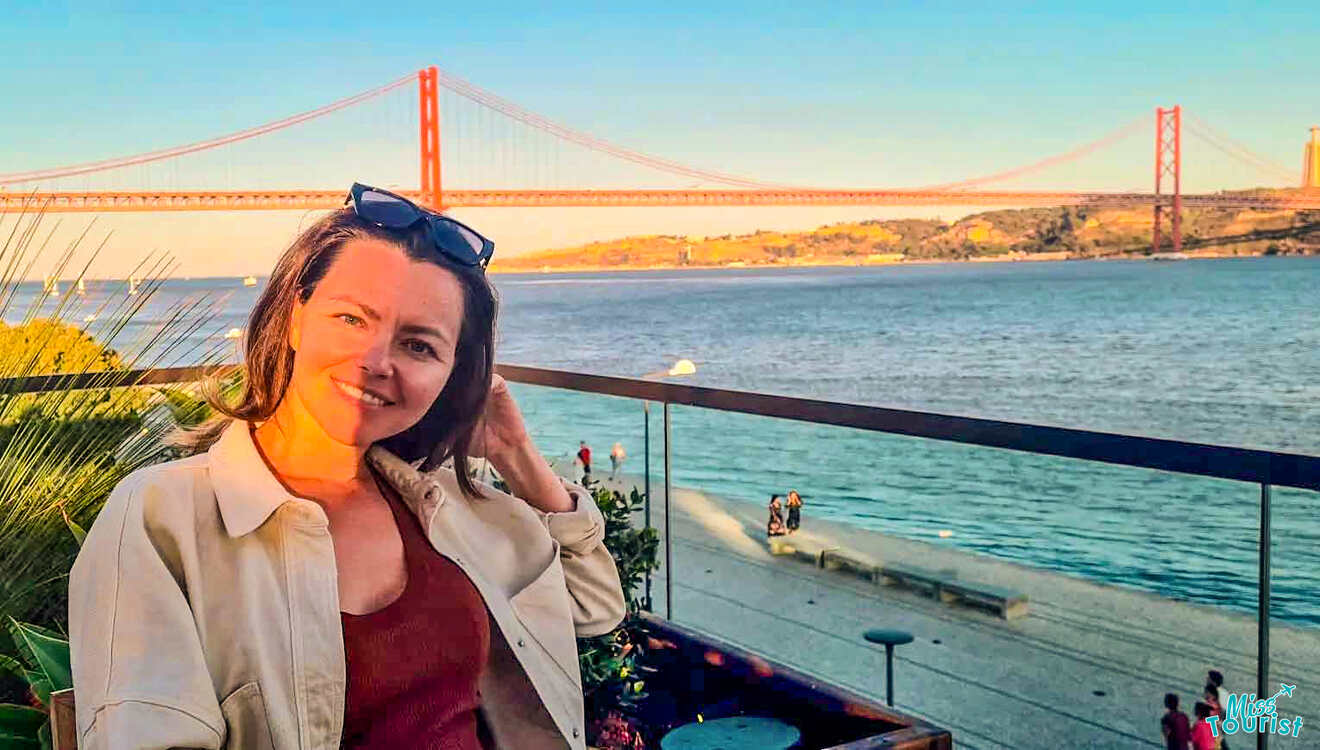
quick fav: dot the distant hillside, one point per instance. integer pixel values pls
(1019, 234)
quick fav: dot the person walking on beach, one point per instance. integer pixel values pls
(1202, 737)
(616, 459)
(1216, 678)
(584, 455)
(775, 527)
(1174, 725)
(1216, 709)
(794, 511)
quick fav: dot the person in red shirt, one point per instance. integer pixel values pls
(1202, 737)
(1174, 725)
(584, 455)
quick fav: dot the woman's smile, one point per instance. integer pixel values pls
(367, 396)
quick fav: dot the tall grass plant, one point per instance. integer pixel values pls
(62, 450)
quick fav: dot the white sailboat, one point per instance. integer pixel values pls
(250, 281)
(82, 286)
(132, 285)
(52, 287)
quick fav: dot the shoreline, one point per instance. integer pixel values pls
(838, 262)
(741, 525)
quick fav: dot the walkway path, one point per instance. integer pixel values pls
(1087, 668)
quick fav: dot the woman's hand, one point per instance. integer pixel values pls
(502, 439)
(501, 432)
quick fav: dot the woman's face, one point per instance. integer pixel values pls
(374, 344)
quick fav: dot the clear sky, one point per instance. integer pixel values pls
(860, 94)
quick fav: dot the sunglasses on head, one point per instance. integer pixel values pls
(452, 239)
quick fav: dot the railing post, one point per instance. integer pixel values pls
(669, 542)
(1263, 609)
(646, 468)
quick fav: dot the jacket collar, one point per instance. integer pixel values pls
(248, 493)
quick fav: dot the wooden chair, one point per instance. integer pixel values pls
(63, 726)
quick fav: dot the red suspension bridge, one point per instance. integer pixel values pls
(29, 190)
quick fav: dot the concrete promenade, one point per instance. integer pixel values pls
(1086, 668)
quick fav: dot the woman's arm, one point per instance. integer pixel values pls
(139, 675)
(572, 518)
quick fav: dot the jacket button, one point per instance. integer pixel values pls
(575, 731)
(521, 642)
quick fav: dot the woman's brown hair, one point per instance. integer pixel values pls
(448, 427)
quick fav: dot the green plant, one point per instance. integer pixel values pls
(613, 676)
(63, 449)
(45, 668)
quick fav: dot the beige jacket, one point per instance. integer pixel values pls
(204, 608)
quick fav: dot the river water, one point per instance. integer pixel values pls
(1219, 351)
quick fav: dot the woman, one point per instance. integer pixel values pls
(775, 526)
(316, 576)
(794, 511)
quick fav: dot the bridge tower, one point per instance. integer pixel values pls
(1311, 161)
(429, 117)
(1168, 163)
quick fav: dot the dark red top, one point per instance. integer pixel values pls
(413, 666)
(1180, 731)
(585, 455)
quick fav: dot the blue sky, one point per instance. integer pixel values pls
(844, 93)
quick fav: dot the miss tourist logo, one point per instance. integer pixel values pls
(1248, 715)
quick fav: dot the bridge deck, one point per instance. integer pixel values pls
(282, 200)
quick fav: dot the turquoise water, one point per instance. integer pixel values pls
(1222, 351)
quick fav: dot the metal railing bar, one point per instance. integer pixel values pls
(1222, 462)
(106, 379)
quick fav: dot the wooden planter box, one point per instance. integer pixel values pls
(700, 674)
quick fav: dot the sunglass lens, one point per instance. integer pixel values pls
(458, 239)
(386, 210)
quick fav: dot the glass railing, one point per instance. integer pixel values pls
(1057, 583)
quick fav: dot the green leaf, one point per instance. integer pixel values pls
(19, 726)
(43, 735)
(12, 666)
(39, 684)
(78, 533)
(45, 650)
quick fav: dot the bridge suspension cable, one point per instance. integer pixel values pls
(1236, 149)
(509, 109)
(1108, 139)
(192, 148)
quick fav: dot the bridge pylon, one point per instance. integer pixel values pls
(429, 138)
(1168, 163)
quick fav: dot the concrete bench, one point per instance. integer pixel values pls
(1009, 604)
(945, 586)
(851, 562)
(942, 584)
(926, 580)
(800, 549)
